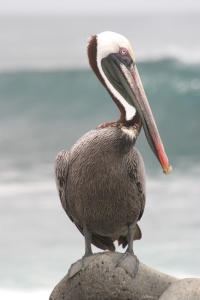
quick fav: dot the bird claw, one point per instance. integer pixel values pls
(80, 265)
(128, 261)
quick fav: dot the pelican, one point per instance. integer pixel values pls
(101, 180)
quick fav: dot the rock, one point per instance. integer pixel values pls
(101, 280)
(185, 289)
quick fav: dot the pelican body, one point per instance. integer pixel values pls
(101, 180)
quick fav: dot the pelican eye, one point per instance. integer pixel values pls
(123, 51)
(124, 56)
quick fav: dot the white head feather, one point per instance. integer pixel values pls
(107, 43)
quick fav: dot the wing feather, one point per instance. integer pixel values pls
(61, 166)
(136, 171)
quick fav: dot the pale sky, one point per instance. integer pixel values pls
(98, 7)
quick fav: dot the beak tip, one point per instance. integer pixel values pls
(167, 170)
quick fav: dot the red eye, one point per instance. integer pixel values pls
(123, 51)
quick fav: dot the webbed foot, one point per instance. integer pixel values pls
(80, 265)
(128, 261)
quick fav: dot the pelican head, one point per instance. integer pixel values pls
(112, 60)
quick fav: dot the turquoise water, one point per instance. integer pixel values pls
(45, 110)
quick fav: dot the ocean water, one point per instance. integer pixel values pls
(48, 99)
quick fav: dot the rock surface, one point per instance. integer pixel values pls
(185, 289)
(101, 280)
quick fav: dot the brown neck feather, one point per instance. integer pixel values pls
(136, 123)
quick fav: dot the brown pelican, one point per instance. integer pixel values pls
(101, 180)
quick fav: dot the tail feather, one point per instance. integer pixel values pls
(102, 242)
(106, 243)
(123, 240)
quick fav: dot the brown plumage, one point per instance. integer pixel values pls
(101, 184)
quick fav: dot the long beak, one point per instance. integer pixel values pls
(126, 79)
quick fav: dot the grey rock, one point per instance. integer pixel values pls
(185, 289)
(101, 280)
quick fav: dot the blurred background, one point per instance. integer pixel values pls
(49, 98)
